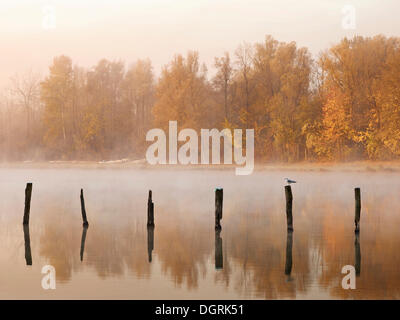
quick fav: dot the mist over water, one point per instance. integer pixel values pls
(117, 247)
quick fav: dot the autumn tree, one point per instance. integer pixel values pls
(244, 79)
(222, 80)
(56, 95)
(282, 77)
(383, 133)
(183, 94)
(25, 89)
(139, 92)
(352, 71)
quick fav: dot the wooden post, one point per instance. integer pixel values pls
(357, 194)
(289, 203)
(357, 250)
(219, 196)
(83, 240)
(219, 259)
(150, 241)
(289, 245)
(27, 241)
(150, 210)
(83, 210)
(28, 195)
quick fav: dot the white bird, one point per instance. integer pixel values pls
(288, 181)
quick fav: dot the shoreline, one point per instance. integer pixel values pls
(356, 166)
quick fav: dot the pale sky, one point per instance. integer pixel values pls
(120, 29)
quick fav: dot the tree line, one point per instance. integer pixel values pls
(342, 105)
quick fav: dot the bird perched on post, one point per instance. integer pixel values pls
(289, 182)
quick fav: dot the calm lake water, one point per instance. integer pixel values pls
(249, 259)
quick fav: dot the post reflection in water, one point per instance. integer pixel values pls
(219, 259)
(84, 231)
(289, 244)
(357, 253)
(150, 241)
(27, 240)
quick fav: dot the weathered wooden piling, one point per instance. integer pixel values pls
(27, 241)
(150, 241)
(28, 196)
(150, 210)
(83, 240)
(219, 259)
(219, 197)
(357, 250)
(83, 210)
(357, 194)
(289, 204)
(289, 245)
